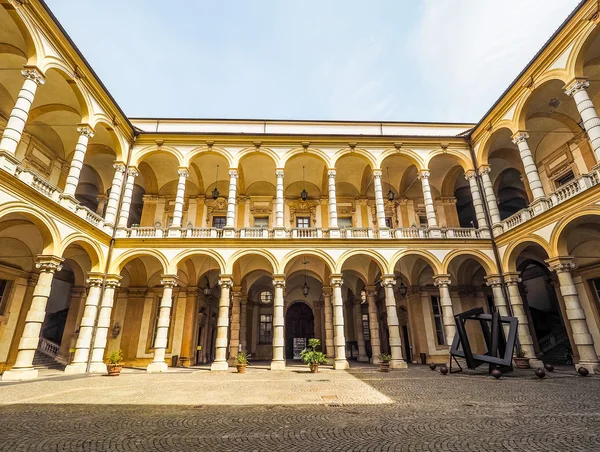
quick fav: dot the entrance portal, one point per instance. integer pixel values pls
(299, 328)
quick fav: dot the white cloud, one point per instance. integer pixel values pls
(469, 51)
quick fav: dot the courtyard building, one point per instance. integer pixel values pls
(185, 241)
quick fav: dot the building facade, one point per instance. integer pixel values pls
(201, 238)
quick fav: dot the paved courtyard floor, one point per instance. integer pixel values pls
(358, 410)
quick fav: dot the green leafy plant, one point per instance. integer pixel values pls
(519, 352)
(310, 355)
(242, 358)
(383, 358)
(115, 357)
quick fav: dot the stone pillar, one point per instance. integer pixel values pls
(373, 324)
(234, 335)
(23, 368)
(110, 217)
(333, 218)
(231, 200)
(179, 198)
(85, 133)
(97, 364)
(531, 171)
(339, 340)
(18, 116)
(379, 206)
(523, 331)
(495, 283)
(578, 90)
(158, 363)
(86, 328)
(244, 324)
(220, 362)
(429, 207)
(442, 282)
(360, 337)
(279, 200)
(127, 195)
(490, 197)
(328, 310)
(397, 362)
(471, 176)
(102, 199)
(581, 334)
(278, 362)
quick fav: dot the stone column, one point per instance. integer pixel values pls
(429, 207)
(373, 324)
(278, 362)
(379, 206)
(339, 340)
(158, 363)
(442, 282)
(523, 331)
(220, 362)
(328, 310)
(127, 195)
(279, 200)
(360, 337)
(578, 90)
(234, 335)
(97, 364)
(231, 200)
(581, 334)
(85, 133)
(471, 176)
(179, 198)
(23, 368)
(18, 116)
(110, 217)
(333, 218)
(102, 199)
(244, 324)
(397, 362)
(490, 197)
(86, 328)
(495, 283)
(531, 171)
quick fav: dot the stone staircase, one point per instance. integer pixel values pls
(556, 355)
(45, 362)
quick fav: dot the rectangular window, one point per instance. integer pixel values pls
(155, 327)
(365, 325)
(345, 222)
(423, 220)
(219, 221)
(388, 222)
(596, 288)
(4, 291)
(303, 222)
(261, 222)
(564, 179)
(437, 318)
(266, 329)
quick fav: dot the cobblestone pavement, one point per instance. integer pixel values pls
(296, 411)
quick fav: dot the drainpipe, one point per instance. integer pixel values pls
(109, 255)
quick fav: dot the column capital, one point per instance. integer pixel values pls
(377, 173)
(576, 85)
(183, 172)
(132, 171)
(561, 264)
(371, 290)
(331, 173)
(512, 278)
(233, 173)
(225, 281)
(236, 291)
(424, 174)
(279, 172)
(113, 281)
(48, 264)
(327, 291)
(278, 281)
(94, 279)
(470, 174)
(34, 74)
(388, 281)
(101, 198)
(336, 280)
(485, 169)
(150, 199)
(168, 281)
(119, 167)
(493, 280)
(520, 137)
(86, 130)
(441, 280)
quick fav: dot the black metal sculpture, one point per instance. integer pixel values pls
(499, 347)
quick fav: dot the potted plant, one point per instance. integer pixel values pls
(113, 363)
(384, 362)
(521, 361)
(241, 361)
(311, 356)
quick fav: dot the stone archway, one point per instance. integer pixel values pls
(299, 328)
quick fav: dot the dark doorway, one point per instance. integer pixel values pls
(408, 357)
(299, 325)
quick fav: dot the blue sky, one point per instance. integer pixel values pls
(417, 60)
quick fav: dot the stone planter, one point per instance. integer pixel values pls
(521, 363)
(184, 361)
(114, 369)
(384, 367)
(241, 368)
(314, 368)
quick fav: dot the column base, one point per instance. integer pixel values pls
(28, 373)
(121, 232)
(484, 233)
(384, 233)
(593, 367)
(374, 360)
(279, 233)
(334, 233)
(435, 233)
(219, 365)
(341, 364)
(69, 202)
(98, 368)
(363, 359)
(497, 229)
(8, 162)
(76, 368)
(398, 364)
(535, 363)
(539, 205)
(174, 232)
(154, 368)
(277, 365)
(108, 228)
(229, 233)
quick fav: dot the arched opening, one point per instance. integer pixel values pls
(299, 328)
(256, 185)
(207, 189)
(406, 209)
(304, 183)
(512, 194)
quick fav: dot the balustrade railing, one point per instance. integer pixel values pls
(552, 340)
(48, 348)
